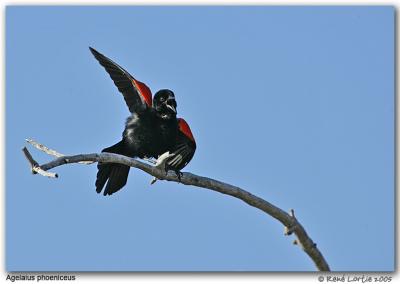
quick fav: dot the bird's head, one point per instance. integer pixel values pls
(164, 103)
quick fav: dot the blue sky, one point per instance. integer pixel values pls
(294, 104)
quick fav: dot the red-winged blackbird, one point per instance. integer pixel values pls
(150, 131)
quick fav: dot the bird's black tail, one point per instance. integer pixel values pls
(116, 174)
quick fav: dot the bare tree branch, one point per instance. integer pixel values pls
(35, 166)
(49, 151)
(292, 225)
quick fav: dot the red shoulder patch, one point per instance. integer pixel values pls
(185, 129)
(144, 91)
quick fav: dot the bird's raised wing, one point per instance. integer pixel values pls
(137, 95)
(184, 148)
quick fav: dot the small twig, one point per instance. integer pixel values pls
(35, 168)
(28, 156)
(45, 173)
(292, 213)
(289, 230)
(49, 151)
(44, 148)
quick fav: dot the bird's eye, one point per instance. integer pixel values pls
(162, 99)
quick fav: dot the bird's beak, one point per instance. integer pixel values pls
(171, 108)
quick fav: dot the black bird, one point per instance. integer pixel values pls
(150, 131)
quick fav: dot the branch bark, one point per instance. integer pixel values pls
(289, 220)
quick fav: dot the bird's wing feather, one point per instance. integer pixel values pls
(137, 95)
(185, 147)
